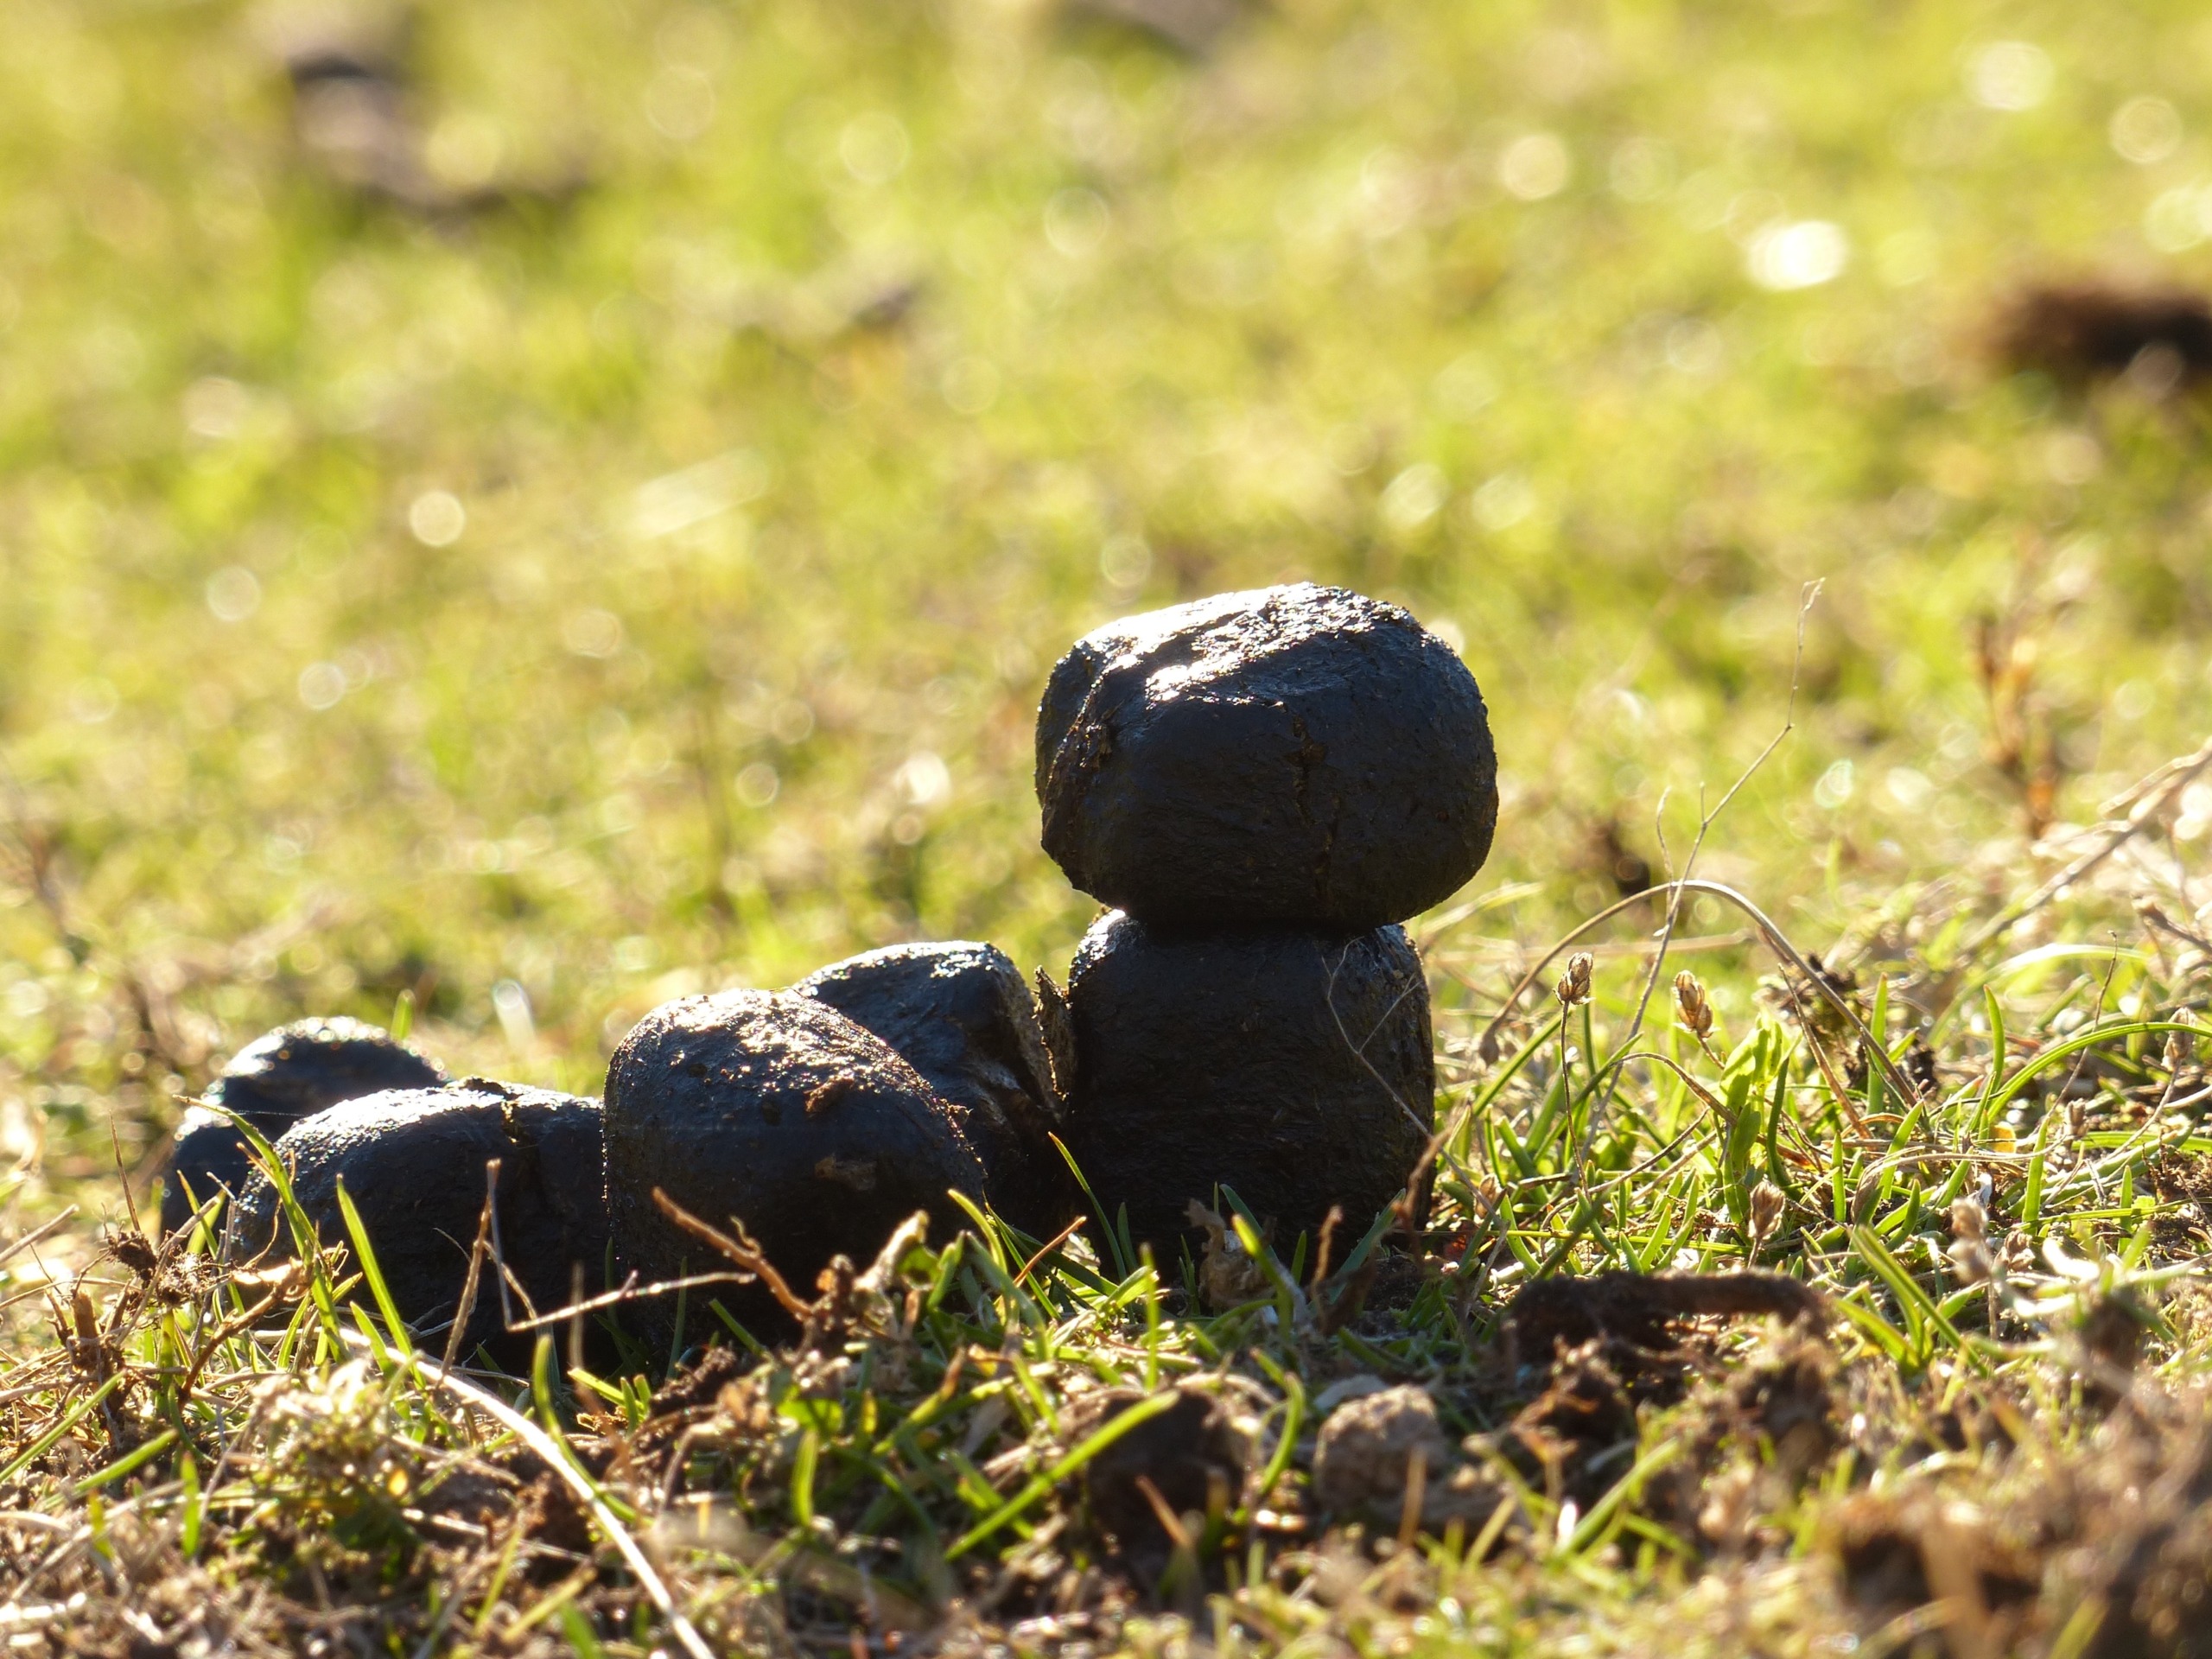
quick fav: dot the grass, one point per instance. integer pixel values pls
(2007, 1247)
(520, 617)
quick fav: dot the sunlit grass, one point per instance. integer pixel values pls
(519, 618)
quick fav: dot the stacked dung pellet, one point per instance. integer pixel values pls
(1261, 785)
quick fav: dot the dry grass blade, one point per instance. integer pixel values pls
(37, 1235)
(2145, 805)
(1771, 935)
(557, 1460)
(629, 1291)
(466, 1310)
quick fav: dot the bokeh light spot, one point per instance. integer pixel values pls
(2009, 75)
(1535, 166)
(1804, 254)
(436, 517)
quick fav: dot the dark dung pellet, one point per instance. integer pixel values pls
(288, 1074)
(962, 1016)
(780, 1111)
(1297, 754)
(1192, 1454)
(1294, 1067)
(413, 1161)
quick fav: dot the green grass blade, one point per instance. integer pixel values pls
(365, 1253)
(1142, 1412)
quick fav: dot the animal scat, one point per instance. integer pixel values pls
(1297, 755)
(1059, 1032)
(414, 1161)
(1297, 1067)
(827, 1095)
(279, 1079)
(858, 1173)
(960, 1012)
(795, 1184)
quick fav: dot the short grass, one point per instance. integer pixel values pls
(523, 616)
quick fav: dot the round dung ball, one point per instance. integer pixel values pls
(780, 1112)
(1293, 1067)
(1297, 754)
(280, 1078)
(414, 1161)
(961, 1014)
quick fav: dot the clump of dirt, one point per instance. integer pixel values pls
(1785, 1397)
(1897, 1553)
(2109, 1542)
(1578, 1437)
(1753, 1437)
(2082, 331)
(1380, 1452)
(2146, 1546)
(2183, 1184)
(1642, 1309)
(1190, 1460)
(2109, 1340)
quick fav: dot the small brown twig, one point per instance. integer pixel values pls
(476, 1251)
(43, 1230)
(1329, 1222)
(629, 1291)
(741, 1250)
(229, 1329)
(1045, 1249)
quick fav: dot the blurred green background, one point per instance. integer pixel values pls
(573, 504)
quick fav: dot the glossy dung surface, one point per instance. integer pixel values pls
(961, 1014)
(414, 1161)
(280, 1078)
(779, 1110)
(1293, 1066)
(1299, 754)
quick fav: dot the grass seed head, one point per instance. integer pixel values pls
(1768, 1203)
(1574, 988)
(1692, 1007)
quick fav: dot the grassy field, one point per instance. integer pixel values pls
(595, 528)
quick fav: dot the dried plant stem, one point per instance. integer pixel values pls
(741, 1250)
(2145, 805)
(609, 1525)
(1775, 941)
(44, 1230)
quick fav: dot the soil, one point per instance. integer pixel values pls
(1363, 1459)
(1639, 1308)
(1296, 754)
(1296, 1067)
(1191, 1453)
